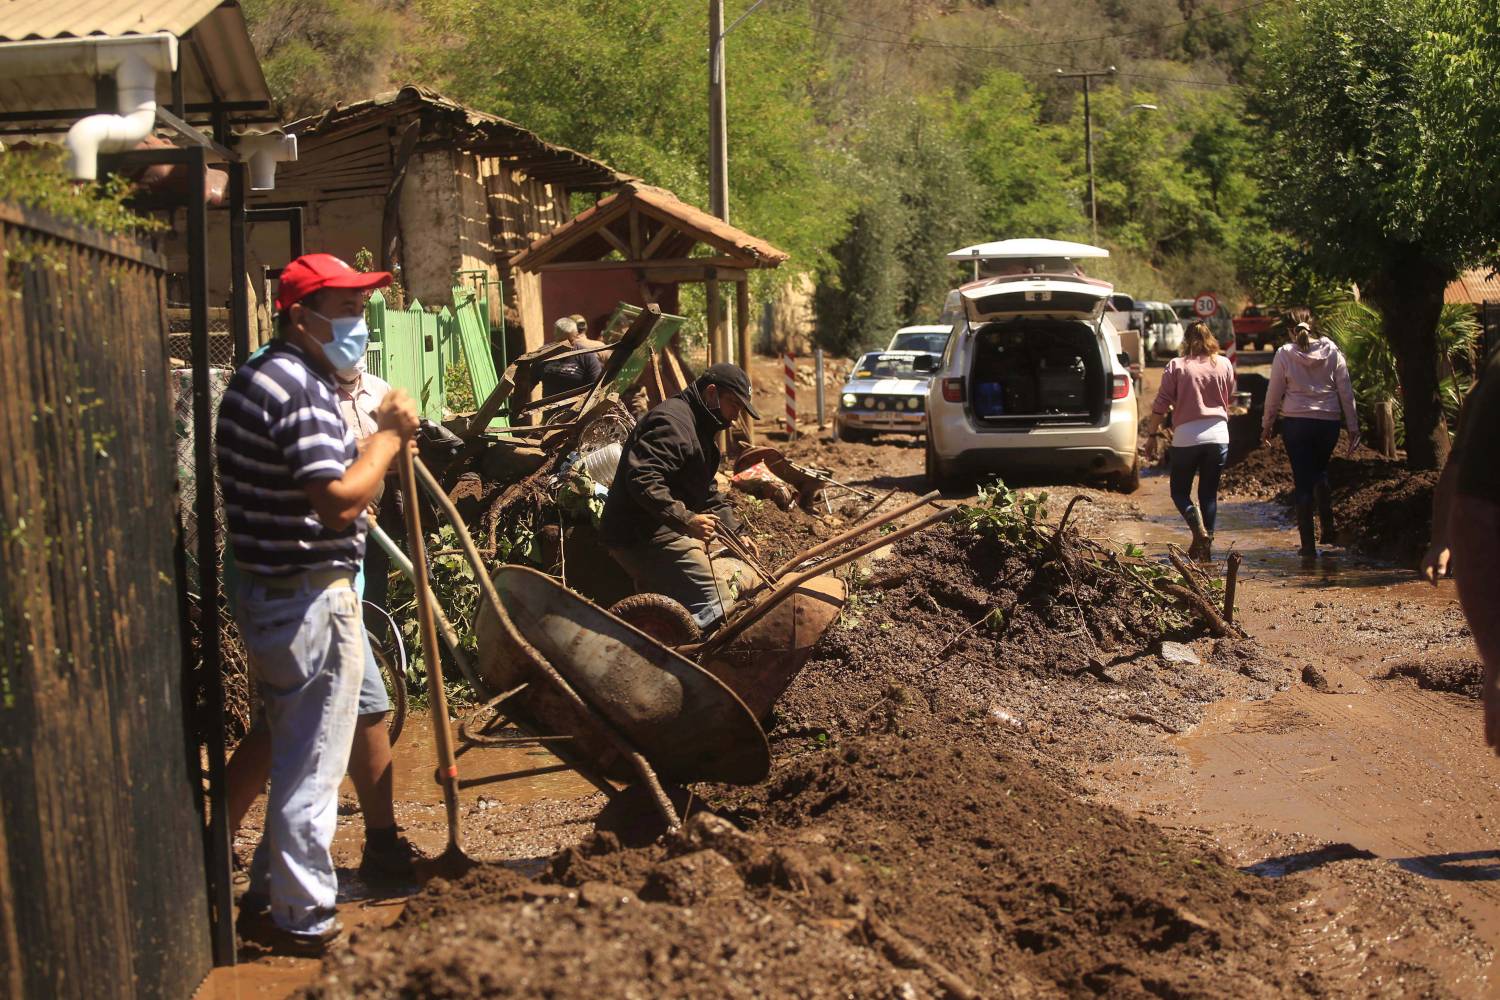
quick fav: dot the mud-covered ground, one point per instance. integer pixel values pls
(1382, 509)
(993, 779)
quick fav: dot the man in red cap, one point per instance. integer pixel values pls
(295, 490)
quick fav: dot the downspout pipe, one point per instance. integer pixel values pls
(135, 63)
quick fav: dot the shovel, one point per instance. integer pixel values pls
(453, 861)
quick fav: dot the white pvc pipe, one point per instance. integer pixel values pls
(133, 60)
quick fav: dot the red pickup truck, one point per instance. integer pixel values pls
(1256, 326)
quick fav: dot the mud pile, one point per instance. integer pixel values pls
(890, 867)
(1383, 510)
(1063, 651)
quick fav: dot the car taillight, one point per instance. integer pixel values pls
(1121, 387)
(953, 390)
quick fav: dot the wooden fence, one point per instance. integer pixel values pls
(102, 874)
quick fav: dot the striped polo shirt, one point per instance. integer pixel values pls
(279, 429)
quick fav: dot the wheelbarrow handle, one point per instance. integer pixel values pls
(854, 532)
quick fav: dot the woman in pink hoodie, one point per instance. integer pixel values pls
(1198, 389)
(1310, 391)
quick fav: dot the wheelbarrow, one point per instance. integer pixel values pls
(630, 706)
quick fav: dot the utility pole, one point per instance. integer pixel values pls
(718, 135)
(1088, 138)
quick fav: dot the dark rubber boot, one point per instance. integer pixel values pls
(1202, 541)
(1323, 497)
(1309, 548)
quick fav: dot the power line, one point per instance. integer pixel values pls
(993, 49)
(944, 47)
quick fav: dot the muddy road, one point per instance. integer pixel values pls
(1306, 812)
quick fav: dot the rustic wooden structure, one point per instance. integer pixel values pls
(1480, 288)
(102, 886)
(637, 246)
(433, 187)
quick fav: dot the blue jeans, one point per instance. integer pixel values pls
(1205, 461)
(306, 646)
(1309, 446)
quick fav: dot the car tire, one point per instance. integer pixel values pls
(1127, 482)
(849, 435)
(933, 473)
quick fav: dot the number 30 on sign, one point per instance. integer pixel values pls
(1206, 304)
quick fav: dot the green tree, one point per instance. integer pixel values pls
(1381, 165)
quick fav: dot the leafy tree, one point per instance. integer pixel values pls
(317, 52)
(1381, 166)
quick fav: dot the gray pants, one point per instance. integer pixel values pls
(678, 568)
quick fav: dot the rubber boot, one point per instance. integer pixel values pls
(1323, 497)
(1309, 548)
(1202, 541)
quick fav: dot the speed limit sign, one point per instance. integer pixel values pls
(1206, 304)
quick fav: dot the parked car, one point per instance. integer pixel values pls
(930, 338)
(1219, 323)
(1163, 331)
(886, 393)
(1033, 381)
(1256, 325)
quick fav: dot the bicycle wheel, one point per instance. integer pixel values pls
(395, 686)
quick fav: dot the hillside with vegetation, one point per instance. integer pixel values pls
(868, 139)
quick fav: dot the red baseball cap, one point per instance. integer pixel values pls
(315, 271)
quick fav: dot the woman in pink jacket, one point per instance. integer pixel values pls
(1310, 391)
(1198, 388)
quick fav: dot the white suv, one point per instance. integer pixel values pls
(1033, 382)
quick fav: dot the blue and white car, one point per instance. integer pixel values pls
(886, 394)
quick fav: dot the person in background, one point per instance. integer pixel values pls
(576, 372)
(664, 508)
(295, 491)
(1310, 391)
(1473, 531)
(1198, 389)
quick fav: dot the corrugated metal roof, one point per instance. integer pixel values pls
(22, 19)
(1479, 285)
(215, 55)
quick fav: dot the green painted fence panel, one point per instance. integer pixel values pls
(473, 336)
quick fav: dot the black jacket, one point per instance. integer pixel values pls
(666, 474)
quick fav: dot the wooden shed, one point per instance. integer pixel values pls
(432, 187)
(637, 246)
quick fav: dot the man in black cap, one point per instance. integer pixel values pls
(664, 508)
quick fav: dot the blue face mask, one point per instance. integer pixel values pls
(350, 338)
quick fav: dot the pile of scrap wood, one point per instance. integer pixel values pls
(506, 472)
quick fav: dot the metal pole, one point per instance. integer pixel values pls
(239, 292)
(208, 565)
(718, 136)
(1088, 137)
(1088, 155)
(818, 365)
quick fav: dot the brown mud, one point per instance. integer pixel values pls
(1382, 509)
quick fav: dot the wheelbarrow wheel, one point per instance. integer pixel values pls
(660, 617)
(395, 686)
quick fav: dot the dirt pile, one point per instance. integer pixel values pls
(890, 867)
(1383, 510)
(1461, 676)
(1052, 645)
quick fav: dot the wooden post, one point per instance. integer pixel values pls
(1385, 428)
(715, 349)
(742, 321)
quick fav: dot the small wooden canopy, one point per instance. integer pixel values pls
(645, 237)
(649, 229)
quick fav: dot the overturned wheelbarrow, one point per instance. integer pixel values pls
(770, 631)
(685, 722)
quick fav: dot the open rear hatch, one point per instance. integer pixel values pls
(1036, 357)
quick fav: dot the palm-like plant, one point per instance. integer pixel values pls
(1356, 327)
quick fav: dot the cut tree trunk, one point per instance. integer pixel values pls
(1410, 296)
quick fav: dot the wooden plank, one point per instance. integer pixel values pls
(614, 241)
(663, 234)
(635, 234)
(715, 344)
